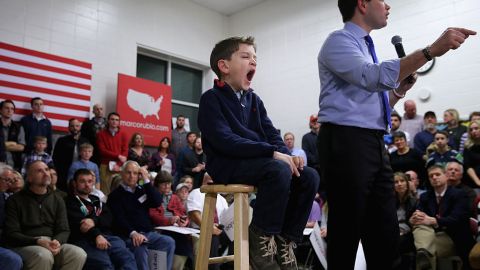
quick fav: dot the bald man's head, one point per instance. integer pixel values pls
(98, 110)
(410, 108)
(38, 174)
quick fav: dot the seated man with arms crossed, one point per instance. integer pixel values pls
(441, 225)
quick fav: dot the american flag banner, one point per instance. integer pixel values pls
(64, 84)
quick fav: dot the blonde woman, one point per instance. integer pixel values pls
(471, 154)
(454, 129)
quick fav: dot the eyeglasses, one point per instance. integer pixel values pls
(8, 180)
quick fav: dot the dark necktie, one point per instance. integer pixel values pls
(386, 105)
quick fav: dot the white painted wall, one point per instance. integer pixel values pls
(289, 35)
(106, 33)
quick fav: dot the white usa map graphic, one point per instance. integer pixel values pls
(143, 103)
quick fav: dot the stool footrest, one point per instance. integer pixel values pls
(222, 259)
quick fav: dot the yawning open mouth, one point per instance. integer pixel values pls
(250, 75)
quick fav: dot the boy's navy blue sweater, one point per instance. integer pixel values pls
(130, 210)
(234, 129)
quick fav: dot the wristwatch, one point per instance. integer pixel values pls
(426, 53)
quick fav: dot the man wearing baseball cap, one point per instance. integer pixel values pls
(424, 138)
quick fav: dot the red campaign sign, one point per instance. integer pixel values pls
(146, 107)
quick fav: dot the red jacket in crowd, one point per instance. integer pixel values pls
(111, 147)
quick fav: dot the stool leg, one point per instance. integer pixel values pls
(241, 261)
(206, 228)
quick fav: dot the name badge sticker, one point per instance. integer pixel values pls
(143, 198)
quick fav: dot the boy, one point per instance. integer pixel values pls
(38, 153)
(244, 147)
(86, 152)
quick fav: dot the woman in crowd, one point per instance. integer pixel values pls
(454, 129)
(471, 154)
(137, 151)
(405, 158)
(406, 204)
(194, 163)
(163, 160)
(172, 212)
(473, 117)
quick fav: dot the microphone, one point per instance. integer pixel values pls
(397, 42)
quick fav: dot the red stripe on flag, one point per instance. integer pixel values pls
(45, 55)
(48, 102)
(43, 78)
(45, 67)
(42, 90)
(62, 129)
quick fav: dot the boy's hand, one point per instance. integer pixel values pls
(298, 162)
(287, 159)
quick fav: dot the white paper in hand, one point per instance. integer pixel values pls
(226, 219)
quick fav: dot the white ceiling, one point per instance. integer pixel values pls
(227, 7)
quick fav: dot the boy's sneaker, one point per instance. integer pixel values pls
(262, 250)
(286, 256)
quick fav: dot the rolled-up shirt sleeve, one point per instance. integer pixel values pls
(345, 55)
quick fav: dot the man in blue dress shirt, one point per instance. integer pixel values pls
(357, 94)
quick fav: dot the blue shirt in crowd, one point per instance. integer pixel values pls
(80, 164)
(351, 82)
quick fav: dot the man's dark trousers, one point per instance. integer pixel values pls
(360, 196)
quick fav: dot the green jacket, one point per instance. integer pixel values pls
(29, 216)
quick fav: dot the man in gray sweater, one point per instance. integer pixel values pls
(36, 225)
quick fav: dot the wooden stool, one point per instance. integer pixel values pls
(241, 211)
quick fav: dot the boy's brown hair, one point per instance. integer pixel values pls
(225, 48)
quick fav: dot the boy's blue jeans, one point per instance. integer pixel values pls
(283, 201)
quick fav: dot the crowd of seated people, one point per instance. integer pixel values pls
(102, 187)
(442, 187)
(121, 169)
